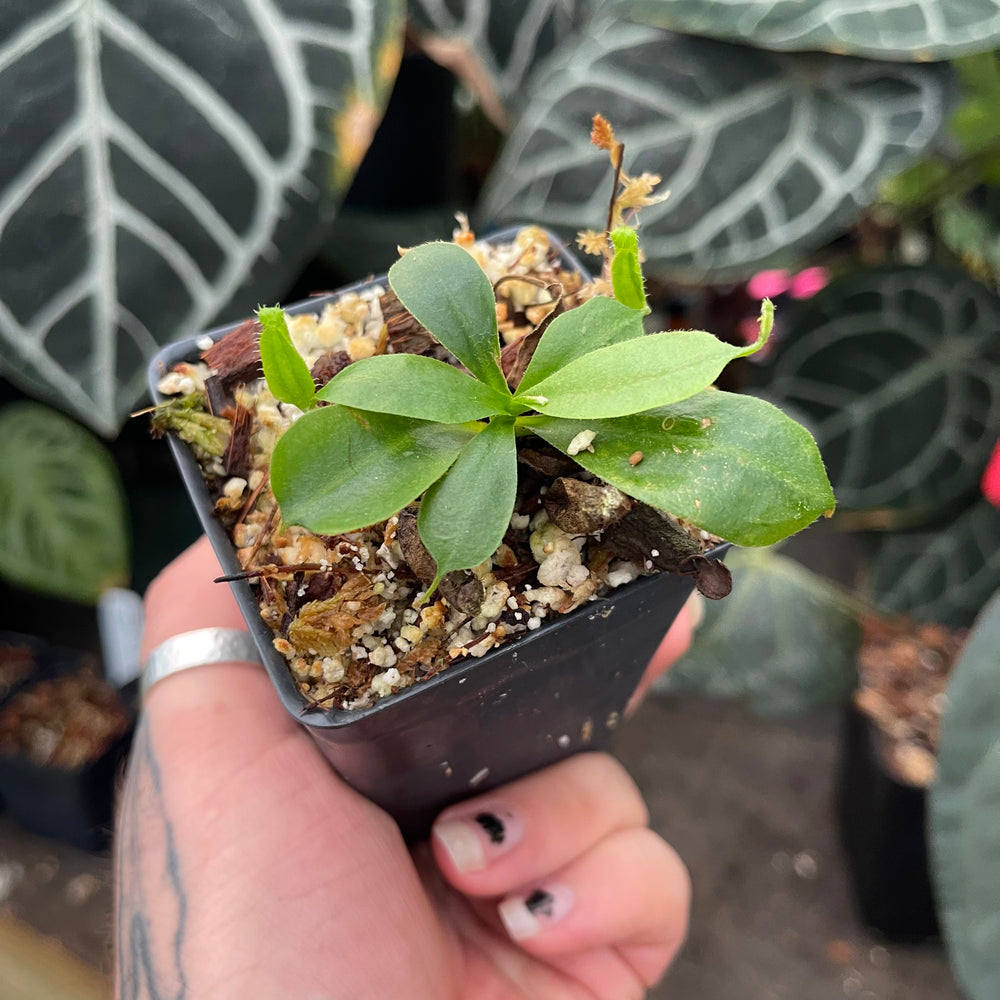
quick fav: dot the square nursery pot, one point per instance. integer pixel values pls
(883, 831)
(481, 722)
(73, 805)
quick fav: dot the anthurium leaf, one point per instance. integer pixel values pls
(158, 158)
(626, 274)
(897, 370)
(448, 292)
(636, 374)
(413, 386)
(751, 645)
(766, 155)
(918, 30)
(63, 522)
(495, 45)
(599, 322)
(734, 465)
(464, 515)
(285, 369)
(338, 469)
(940, 574)
(969, 771)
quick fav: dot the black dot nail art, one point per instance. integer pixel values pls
(493, 826)
(541, 902)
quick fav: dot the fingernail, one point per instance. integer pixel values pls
(527, 916)
(473, 842)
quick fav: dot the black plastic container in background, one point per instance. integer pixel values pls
(76, 806)
(883, 831)
(482, 722)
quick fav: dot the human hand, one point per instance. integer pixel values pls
(247, 869)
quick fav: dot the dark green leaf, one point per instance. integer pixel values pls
(503, 40)
(941, 575)
(968, 768)
(898, 371)
(626, 274)
(464, 515)
(766, 155)
(599, 322)
(414, 386)
(337, 469)
(917, 30)
(286, 372)
(785, 639)
(160, 157)
(636, 375)
(447, 291)
(734, 465)
(63, 521)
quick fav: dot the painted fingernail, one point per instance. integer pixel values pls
(473, 842)
(527, 916)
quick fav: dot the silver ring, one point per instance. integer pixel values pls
(198, 648)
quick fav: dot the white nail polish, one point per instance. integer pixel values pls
(462, 843)
(526, 916)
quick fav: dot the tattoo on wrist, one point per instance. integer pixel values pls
(151, 900)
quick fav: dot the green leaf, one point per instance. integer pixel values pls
(63, 521)
(626, 274)
(338, 469)
(637, 374)
(959, 815)
(916, 184)
(750, 645)
(447, 291)
(970, 234)
(734, 465)
(411, 385)
(918, 30)
(599, 322)
(160, 157)
(940, 575)
(766, 156)
(464, 515)
(285, 369)
(898, 373)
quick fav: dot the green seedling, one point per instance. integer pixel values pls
(598, 388)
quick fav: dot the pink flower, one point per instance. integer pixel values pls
(808, 282)
(768, 284)
(990, 484)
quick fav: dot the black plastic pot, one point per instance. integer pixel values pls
(76, 806)
(481, 722)
(883, 831)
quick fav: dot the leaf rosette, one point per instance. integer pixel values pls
(404, 427)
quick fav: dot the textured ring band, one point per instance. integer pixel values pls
(198, 648)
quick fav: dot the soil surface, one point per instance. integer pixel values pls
(747, 803)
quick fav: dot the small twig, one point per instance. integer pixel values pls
(264, 532)
(270, 569)
(529, 279)
(620, 150)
